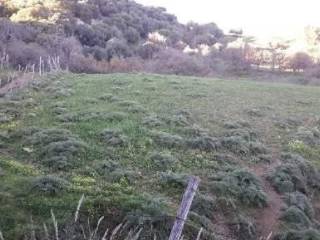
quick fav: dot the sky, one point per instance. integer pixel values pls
(264, 19)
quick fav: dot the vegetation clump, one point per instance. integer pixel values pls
(194, 131)
(243, 141)
(163, 161)
(295, 174)
(59, 110)
(255, 112)
(236, 144)
(308, 136)
(152, 121)
(296, 218)
(87, 116)
(301, 201)
(105, 97)
(127, 175)
(114, 138)
(236, 125)
(136, 109)
(9, 111)
(175, 180)
(244, 228)
(242, 186)
(309, 234)
(50, 185)
(107, 167)
(205, 143)
(182, 118)
(57, 149)
(204, 205)
(58, 89)
(168, 140)
(126, 103)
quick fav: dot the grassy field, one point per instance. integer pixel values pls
(129, 141)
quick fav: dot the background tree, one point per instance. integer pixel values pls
(300, 62)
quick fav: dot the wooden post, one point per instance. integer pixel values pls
(183, 211)
(40, 66)
(199, 234)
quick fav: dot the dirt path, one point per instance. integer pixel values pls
(267, 219)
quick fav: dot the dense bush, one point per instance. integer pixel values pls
(51, 185)
(296, 174)
(310, 234)
(171, 61)
(57, 149)
(240, 185)
(25, 54)
(300, 61)
(114, 138)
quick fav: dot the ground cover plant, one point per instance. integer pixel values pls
(130, 149)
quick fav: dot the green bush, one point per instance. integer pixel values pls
(296, 218)
(167, 140)
(163, 161)
(240, 185)
(175, 180)
(204, 143)
(114, 138)
(295, 174)
(310, 234)
(300, 201)
(244, 228)
(87, 116)
(57, 149)
(152, 121)
(50, 185)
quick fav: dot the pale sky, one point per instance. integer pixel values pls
(262, 18)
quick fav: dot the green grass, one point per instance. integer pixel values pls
(210, 102)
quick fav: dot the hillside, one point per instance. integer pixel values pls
(129, 141)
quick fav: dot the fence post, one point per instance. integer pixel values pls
(184, 208)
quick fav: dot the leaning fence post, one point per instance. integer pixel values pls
(184, 208)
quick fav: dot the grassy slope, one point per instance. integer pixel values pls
(210, 102)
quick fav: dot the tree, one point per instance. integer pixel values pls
(300, 61)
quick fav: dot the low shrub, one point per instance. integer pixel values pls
(119, 175)
(244, 228)
(241, 185)
(175, 180)
(204, 143)
(136, 109)
(236, 125)
(309, 234)
(181, 118)
(87, 116)
(114, 138)
(295, 174)
(255, 113)
(204, 205)
(163, 161)
(50, 185)
(10, 111)
(168, 140)
(296, 218)
(57, 149)
(310, 136)
(152, 121)
(236, 144)
(170, 61)
(300, 201)
(105, 97)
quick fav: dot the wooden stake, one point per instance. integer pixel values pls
(184, 209)
(199, 234)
